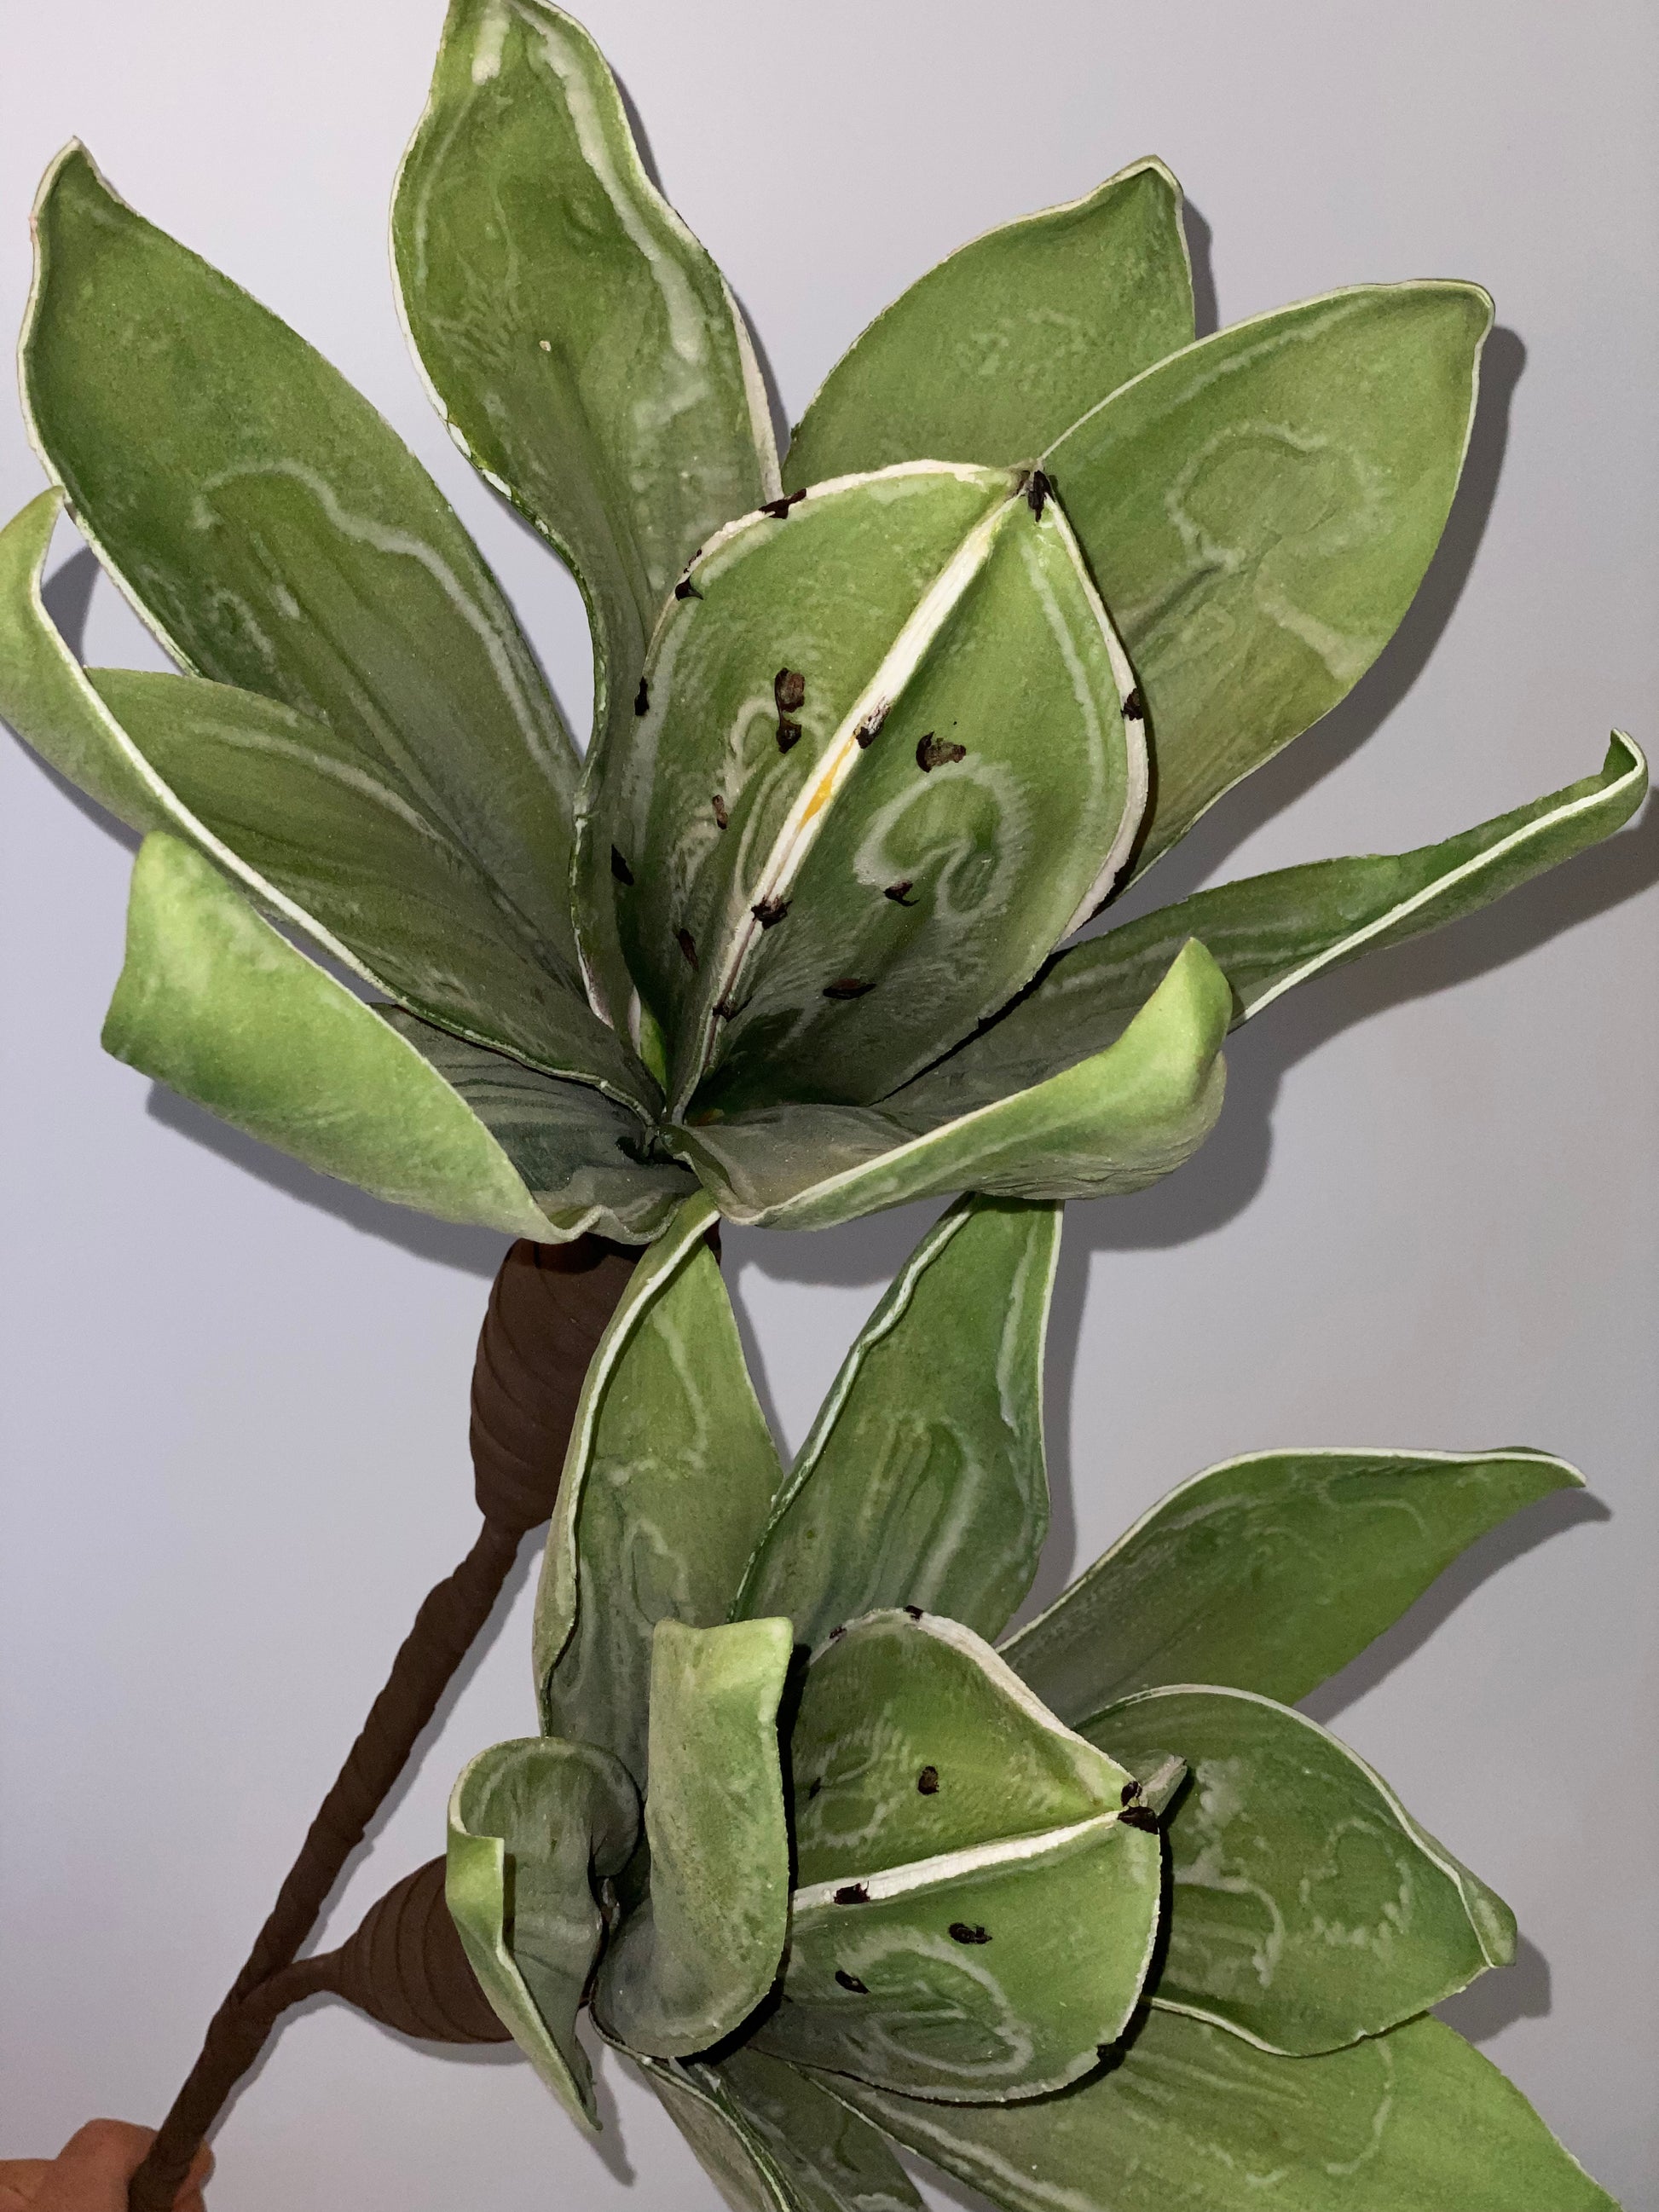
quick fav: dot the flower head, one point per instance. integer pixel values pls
(876, 733)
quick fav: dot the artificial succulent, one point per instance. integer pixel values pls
(1041, 576)
(1090, 1916)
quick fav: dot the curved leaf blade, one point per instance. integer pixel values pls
(923, 1482)
(281, 538)
(1272, 931)
(667, 1484)
(988, 815)
(694, 1958)
(1258, 512)
(531, 1825)
(1308, 1908)
(1112, 1124)
(212, 1002)
(999, 349)
(1192, 2119)
(913, 1741)
(974, 1918)
(581, 345)
(1270, 1572)
(822, 590)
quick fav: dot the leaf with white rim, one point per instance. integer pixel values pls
(833, 754)
(584, 349)
(1272, 931)
(279, 537)
(668, 1481)
(693, 1959)
(923, 1479)
(987, 819)
(214, 1003)
(954, 1842)
(1189, 2118)
(1258, 512)
(912, 1739)
(1271, 1572)
(1308, 1908)
(1003, 344)
(992, 1973)
(1113, 1123)
(532, 1824)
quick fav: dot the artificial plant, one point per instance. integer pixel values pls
(878, 730)
(1092, 1918)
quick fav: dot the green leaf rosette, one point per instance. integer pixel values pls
(876, 733)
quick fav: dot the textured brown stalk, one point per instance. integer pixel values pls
(548, 1308)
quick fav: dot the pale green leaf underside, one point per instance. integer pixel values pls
(1270, 1572)
(1112, 1124)
(582, 346)
(531, 1825)
(214, 1003)
(997, 349)
(1192, 2119)
(1258, 512)
(668, 1481)
(1270, 932)
(694, 1958)
(1308, 1908)
(923, 1481)
(831, 847)
(972, 1919)
(280, 537)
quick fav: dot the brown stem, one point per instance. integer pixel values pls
(443, 1632)
(547, 1311)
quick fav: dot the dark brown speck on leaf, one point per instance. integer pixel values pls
(1130, 1791)
(914, 1612)
(1037, 489)
(779, 509)
(852, 1892)
(619, 868)
(900, 893)
(721, 817)
(870, 728)
(927, 1781)
(1134, 707)
(688, 945)
(642, 698)
(685, 589)
(846, 986)
(852, 1982)
(933, 752)
(789, 734)
(1137, 1816)
(770, 912)
(960, 1932)
(789, 690)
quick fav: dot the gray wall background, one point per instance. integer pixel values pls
(234, 1396)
